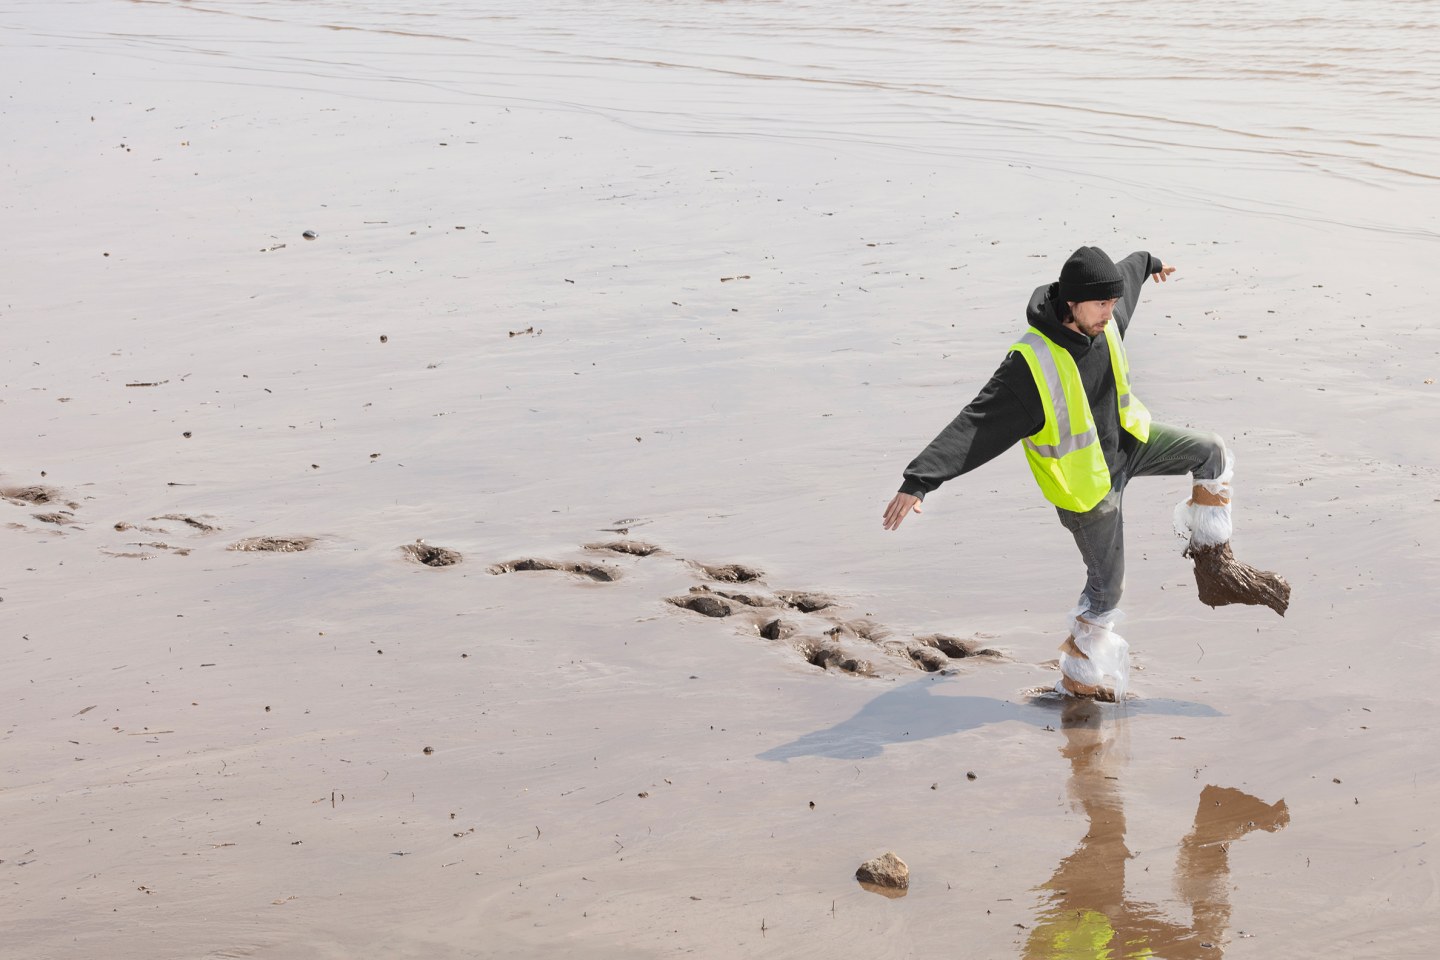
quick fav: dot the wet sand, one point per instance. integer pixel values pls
(574, 282)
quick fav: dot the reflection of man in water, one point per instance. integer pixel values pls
(1088, 916)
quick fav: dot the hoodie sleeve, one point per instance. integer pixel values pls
(1135, 270)
(1005, 411)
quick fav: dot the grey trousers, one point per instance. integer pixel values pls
(1100, 531)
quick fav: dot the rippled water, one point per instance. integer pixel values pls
(1322, 111)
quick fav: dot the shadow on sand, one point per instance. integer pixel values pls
(923, 709)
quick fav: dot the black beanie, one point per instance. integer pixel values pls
(1090, 275)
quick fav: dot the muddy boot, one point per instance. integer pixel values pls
(1219, 577)
(1222, 579)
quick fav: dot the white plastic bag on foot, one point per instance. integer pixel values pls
(1104, 656)
(1204, 518)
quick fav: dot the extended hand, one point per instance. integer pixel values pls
(900, 507)
(1163, 273)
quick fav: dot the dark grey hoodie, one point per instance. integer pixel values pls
(1008, 408)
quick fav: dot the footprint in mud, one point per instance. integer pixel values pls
(830, 656)
(932, 653)
(728, 572)
(634, 548)
(152, 545)
(805, 601)
(935, 652)
(594, 571)
(431, 555)
(861, 629)
(125, 526)
(706, 604)
(925, 655)
(747, 599)
(927, 658)
(273, 544)
(827, 654)
(957, 649)
(35, 495)
(720, 603)
(189, 521)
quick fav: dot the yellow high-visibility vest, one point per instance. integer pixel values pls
(1087, 935)
(1065, 454)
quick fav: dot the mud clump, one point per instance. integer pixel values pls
(634, 548)
(703, 603)
(777, 629)
(431, 556)
(594, 571)
(273, 544)
(730, 572)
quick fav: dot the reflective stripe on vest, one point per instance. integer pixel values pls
(1133, 415)
(1065, 455)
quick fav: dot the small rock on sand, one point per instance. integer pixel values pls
(886, 870)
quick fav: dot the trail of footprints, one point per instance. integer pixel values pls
(809, 622)
(161, 535)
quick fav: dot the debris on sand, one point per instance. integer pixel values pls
(273, 544)
(1222, 579)
(886, 870)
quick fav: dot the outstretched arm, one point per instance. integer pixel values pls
(1006, 410)
(1135, 269)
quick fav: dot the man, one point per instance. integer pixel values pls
(1064, 391)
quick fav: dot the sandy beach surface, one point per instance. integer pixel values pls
(700, 276)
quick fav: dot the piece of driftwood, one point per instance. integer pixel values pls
(1222, 579)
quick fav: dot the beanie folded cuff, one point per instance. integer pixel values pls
(1095, 290)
